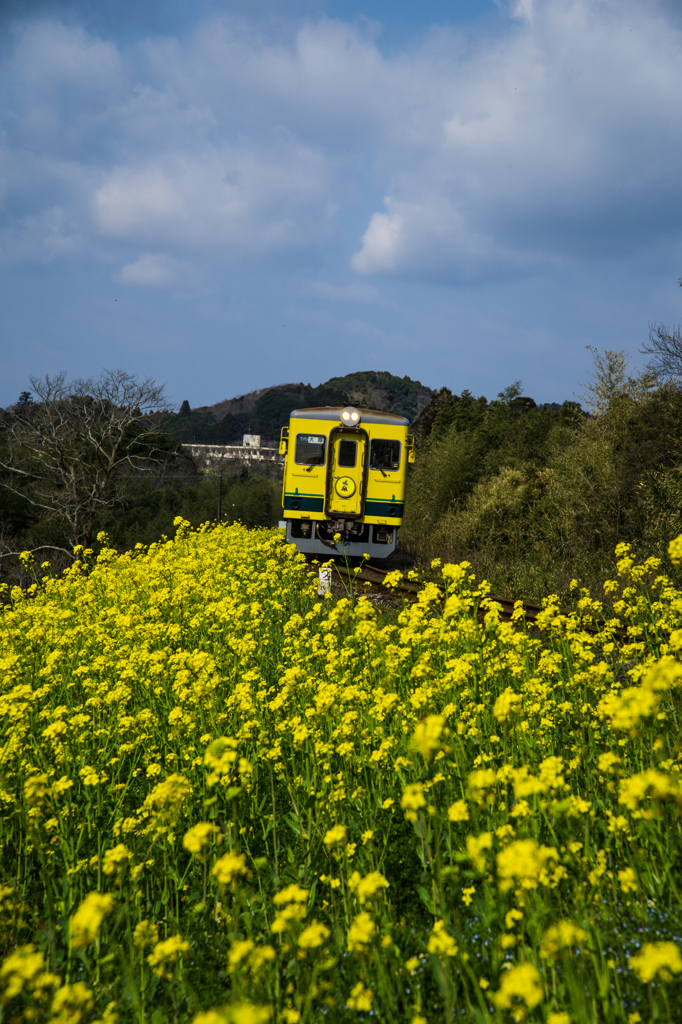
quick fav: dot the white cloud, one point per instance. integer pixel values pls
(152, 270)
(230, 201)
(542, 145)
(546, 142)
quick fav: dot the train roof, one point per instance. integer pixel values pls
(333, 412)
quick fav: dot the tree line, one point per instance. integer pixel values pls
(531, 495)
(84, 456)
(536, 496)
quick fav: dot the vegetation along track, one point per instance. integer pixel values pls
(409, 590)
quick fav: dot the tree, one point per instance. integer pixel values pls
(666, 348)
(70, 452)
(611, 381)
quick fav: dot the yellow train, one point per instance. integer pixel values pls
(344, 473)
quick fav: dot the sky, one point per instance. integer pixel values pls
(229, 194)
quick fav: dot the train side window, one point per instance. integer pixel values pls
(348, 454)
(384, 455)
(310, 449)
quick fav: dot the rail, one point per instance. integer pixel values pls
(409, 589)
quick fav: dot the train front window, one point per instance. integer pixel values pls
(348, 454)
(310, 449)
(384, 455)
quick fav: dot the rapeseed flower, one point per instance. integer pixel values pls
(426, 739)
(316, 934)
(656, 960)
(360, 997)
(368, 886)
(459, 811)
(412, 800)
(336, 835)
(561, 937)
(476, 847)
(199, 837)
(361, 933)
(166, 954)
(440, 942)
(86, 922)
(525, 863)
(203, 672)
(228, 867)
(523, 984)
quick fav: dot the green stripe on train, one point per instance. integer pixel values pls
(381, 508)
(303, 503)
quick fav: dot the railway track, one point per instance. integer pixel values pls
(409, 590)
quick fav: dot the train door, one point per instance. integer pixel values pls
(347, 471)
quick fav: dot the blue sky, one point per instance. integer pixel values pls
(228, 195)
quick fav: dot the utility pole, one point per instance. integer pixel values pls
(220, 495)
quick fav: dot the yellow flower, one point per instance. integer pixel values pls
(459, 811)
(335, 835)
(237, 1013)
(628, 880)
(70, 1002)
(115, 858)
(506, 704)
(476, 847)
(561, 937)
(512, 916)
(607, 761)
(292, 894)
(480, 782)
(25, 968)
(145, 934)
(197, 838)
(524, 863)
(227, 867)
(360, 998)
(166, 954)
(520, 983)
(36, 789)
(558, 1018)
(426, 737)
(85, 923)
(361, 932)
(468, 895)
(262, 955)
(238, 950)
(168, 796)
(313, 936)
(675, 551)
(656, 960)
(649, 782)
(367, 887)
(440, 942)
(413, 798)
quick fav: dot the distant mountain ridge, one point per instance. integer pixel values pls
(267, 410)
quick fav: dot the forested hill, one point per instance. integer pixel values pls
(266, 411)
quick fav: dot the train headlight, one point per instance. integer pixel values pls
(350, 416)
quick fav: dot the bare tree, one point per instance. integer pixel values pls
(69, 452)
(665, 346)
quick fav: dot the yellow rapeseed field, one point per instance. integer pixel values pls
(223, 798)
